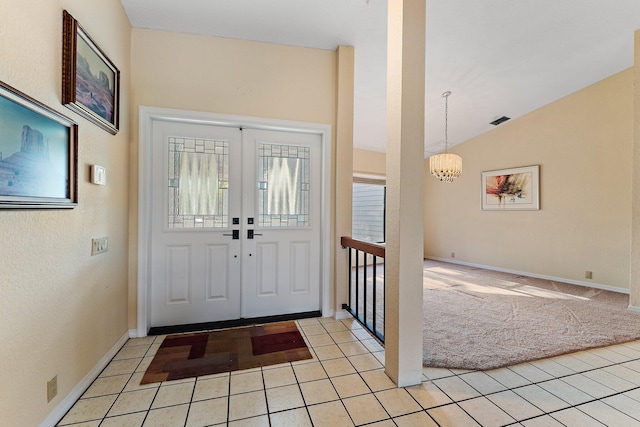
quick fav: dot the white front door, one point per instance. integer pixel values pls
(211, 182)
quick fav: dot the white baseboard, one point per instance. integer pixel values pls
(342, 314)
(61, 409)
(633, 308)
(133, 333)
(538, 276)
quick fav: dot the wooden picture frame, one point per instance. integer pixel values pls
(38, 154)
(90, 81)
(511, 189)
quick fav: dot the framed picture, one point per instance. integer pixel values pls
(511, 189)
(38, 154)
(90, 81)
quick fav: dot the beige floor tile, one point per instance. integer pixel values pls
(309, 321)
(385, 423)
(566, 392)
(397, 401)
(589, 386)
(552, 367)
(337, 367)
(106, 385)
(135, 352)
(362, 334)
(173, 416)
(327, 352)
(365, 409)
(456, 389)
(419, 419)
(284, 398)
(211, 388)
(340, 337)
(128, 420)
(313, 330)
(576, 364)
(615, 381)
(514, 405)
(170, 395)
(624, 404)
(631, 353)
(485, 412)
(207, 412)
(90, 409)
(331, 414)
(541, 398)
(133, 401)
(144, 364)
(247, 405)
(120, 367)
(261, 421)
(544, 421)
(428, 395)
(482, 382)
(508, 378)
(95, 423)
(320, 340)
(335, 327)
(436, 373)
(607, 415)
(610, 355)
(350, 385)
(364, 362)
(140, 341)
(295, 417)
(451, 416)
(530, 372)
(134, 383)
(319, 391)
(353, 348)
(309, 372)
(325, 320)
(372, 345)
(591, 359)
(278, 377)
(379, 355)
(574, 417)
(623, 372)
(377, 380)
(251, 381)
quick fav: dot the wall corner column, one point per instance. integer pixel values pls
(405, 210)
(344, 169)
(634, 274)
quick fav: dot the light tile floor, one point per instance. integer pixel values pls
(345, 385)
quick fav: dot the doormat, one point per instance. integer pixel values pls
(191, 355)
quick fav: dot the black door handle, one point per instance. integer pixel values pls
(250, 234)
(235, 234)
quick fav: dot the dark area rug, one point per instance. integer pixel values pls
(191, 355)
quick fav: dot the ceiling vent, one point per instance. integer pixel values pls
(502, 119)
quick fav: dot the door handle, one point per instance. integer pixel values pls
(235, 234)
(250, 234)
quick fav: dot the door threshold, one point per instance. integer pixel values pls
(206, 326)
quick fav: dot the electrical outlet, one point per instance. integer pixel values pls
(588, 275)
(453, 254)
(52, 388)
(99, 245)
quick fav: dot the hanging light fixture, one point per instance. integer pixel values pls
(445, 166)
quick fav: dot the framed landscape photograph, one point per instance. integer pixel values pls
(38, 154)
(90, 81)
(511, 189)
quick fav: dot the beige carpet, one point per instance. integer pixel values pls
(481, 319)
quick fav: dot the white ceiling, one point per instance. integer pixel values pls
(498, 57)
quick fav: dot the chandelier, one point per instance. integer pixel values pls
(445, 166)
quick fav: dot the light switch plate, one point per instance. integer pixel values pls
(98, 175)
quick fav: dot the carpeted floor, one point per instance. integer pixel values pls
(482, 319)
(190, 355)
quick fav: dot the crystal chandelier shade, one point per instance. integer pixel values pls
(445, 166)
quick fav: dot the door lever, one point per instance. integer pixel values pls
(235, 234)
(250, 234)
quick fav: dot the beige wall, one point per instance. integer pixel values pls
(225, 76)
(583, 144)
(367, 162)
(61, 309)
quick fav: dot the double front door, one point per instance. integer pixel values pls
(235, 223)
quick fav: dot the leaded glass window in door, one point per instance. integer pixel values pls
(283, 185)
(198, 187)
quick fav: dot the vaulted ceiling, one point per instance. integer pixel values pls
(497, 57)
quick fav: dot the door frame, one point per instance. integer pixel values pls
(147, 117)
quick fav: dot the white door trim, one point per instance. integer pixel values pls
(147, 115)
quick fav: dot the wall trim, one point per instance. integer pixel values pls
(633, 308)
(537, 276)
(61, 408)
(148, 115)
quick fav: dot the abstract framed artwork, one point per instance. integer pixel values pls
(38, 154)
(511, 189)
(90, 81)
